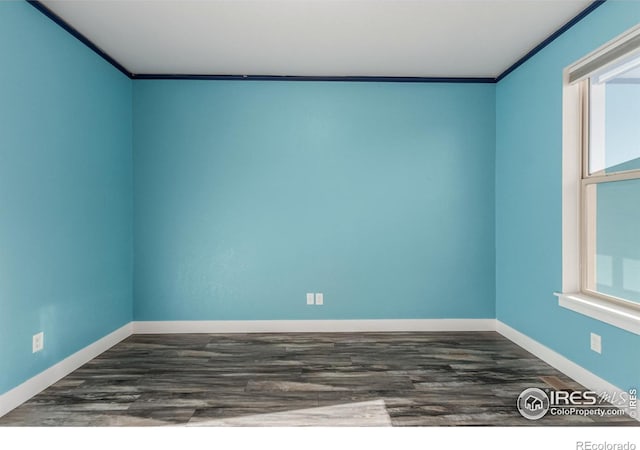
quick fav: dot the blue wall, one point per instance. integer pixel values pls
(65, 194)
(248, 195)
(529, 203)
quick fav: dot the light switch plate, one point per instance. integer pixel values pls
(310, 300)
(319, 299)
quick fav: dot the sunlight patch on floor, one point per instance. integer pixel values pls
(362, 414)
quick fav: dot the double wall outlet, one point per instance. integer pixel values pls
(315, 298)
(37, 342)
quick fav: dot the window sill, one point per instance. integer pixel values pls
(616, 315)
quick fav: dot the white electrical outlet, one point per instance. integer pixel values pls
(310, 300)
(319, 299)
(38, 342)
(596, 343)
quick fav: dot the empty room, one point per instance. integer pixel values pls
(320, 213)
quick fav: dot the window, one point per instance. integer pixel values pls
(601, 183)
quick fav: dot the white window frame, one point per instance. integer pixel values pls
(575, 178)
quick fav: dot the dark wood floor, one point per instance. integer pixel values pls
(342, 379)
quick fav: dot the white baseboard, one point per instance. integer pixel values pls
(317, 326)
(586, 378)
(20, 394)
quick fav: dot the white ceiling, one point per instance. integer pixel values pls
(422, 38)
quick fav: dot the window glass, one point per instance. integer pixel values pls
(613, 239)
(614, 128)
